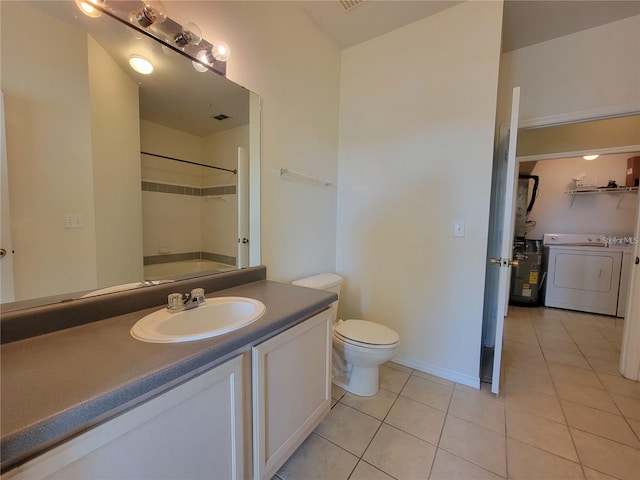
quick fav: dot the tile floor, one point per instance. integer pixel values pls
(564, 413)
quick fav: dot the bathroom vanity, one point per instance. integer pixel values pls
(91, 401)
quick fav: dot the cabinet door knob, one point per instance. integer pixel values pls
(3, 252)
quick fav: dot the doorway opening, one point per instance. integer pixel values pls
(539, 142)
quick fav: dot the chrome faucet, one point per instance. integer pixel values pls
(178, 302)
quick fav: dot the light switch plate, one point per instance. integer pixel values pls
(458, 228)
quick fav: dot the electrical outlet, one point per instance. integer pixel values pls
(73, 220)
(458, 228)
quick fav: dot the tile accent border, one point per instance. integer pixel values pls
(191, 191)
(185, 257)
(216, 257)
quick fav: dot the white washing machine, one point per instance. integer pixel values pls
(586, 273)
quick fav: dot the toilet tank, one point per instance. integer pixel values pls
(324, 281)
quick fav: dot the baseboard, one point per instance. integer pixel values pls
(438, 371)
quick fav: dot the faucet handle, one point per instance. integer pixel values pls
(175, 302)
(198, 294)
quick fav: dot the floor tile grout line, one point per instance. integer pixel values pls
(555, 384)
(439, 447)
(555, 388)
(444, 422)
(608, 395)
(608, 392)
(457, 455)
(383, 422)
(605, 438)
(372, 466)
(361, 458)
(626, 420)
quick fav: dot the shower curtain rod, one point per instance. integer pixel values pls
(235, 171)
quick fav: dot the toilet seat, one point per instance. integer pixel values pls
(366, 334)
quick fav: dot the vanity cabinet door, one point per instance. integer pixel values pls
(291, 391)
(192, 431)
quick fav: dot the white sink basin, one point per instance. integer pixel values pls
(216, 317)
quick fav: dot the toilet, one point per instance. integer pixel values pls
(359, 346)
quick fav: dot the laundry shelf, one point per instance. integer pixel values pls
(598, 190)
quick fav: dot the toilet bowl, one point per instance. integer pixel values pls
(359, 346)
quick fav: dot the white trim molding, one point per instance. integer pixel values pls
(438, 371)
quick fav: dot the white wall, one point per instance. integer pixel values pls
(280, 54)
(593, 70)
(220, 225)
(416, 133)
(220, 215)
(221, 149)
(171, 223)
(162, 140)
(116, 169)
(554, 212)
(49, 158)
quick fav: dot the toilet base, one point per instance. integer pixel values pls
(361, 381)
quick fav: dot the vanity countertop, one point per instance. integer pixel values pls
(61, 383)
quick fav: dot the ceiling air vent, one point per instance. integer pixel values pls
(349, 4)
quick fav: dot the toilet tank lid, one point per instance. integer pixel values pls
(320, 282)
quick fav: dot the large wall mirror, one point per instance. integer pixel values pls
(113, 179)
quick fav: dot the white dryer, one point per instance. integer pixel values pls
(583, 272)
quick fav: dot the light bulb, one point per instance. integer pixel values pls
(152, 12)
(221, 51)
(140, 64)
(590, 157)
(199, 67)
(88, 7)
(190, 35)
(205, 56)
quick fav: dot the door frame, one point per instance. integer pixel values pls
(574, 117)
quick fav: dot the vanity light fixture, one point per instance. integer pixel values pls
(150, 18)
(219, 51)
(88, 7)
(205, 56)
(189, 35)
(590, 157)
(151, 13)
(140, 64)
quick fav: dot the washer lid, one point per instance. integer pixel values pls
(367, 332)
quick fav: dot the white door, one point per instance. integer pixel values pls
(243, 208)
(500, 246)
(630, 354)
(6, 246)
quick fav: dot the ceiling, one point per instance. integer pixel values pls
(175, 95)
(526, 22)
